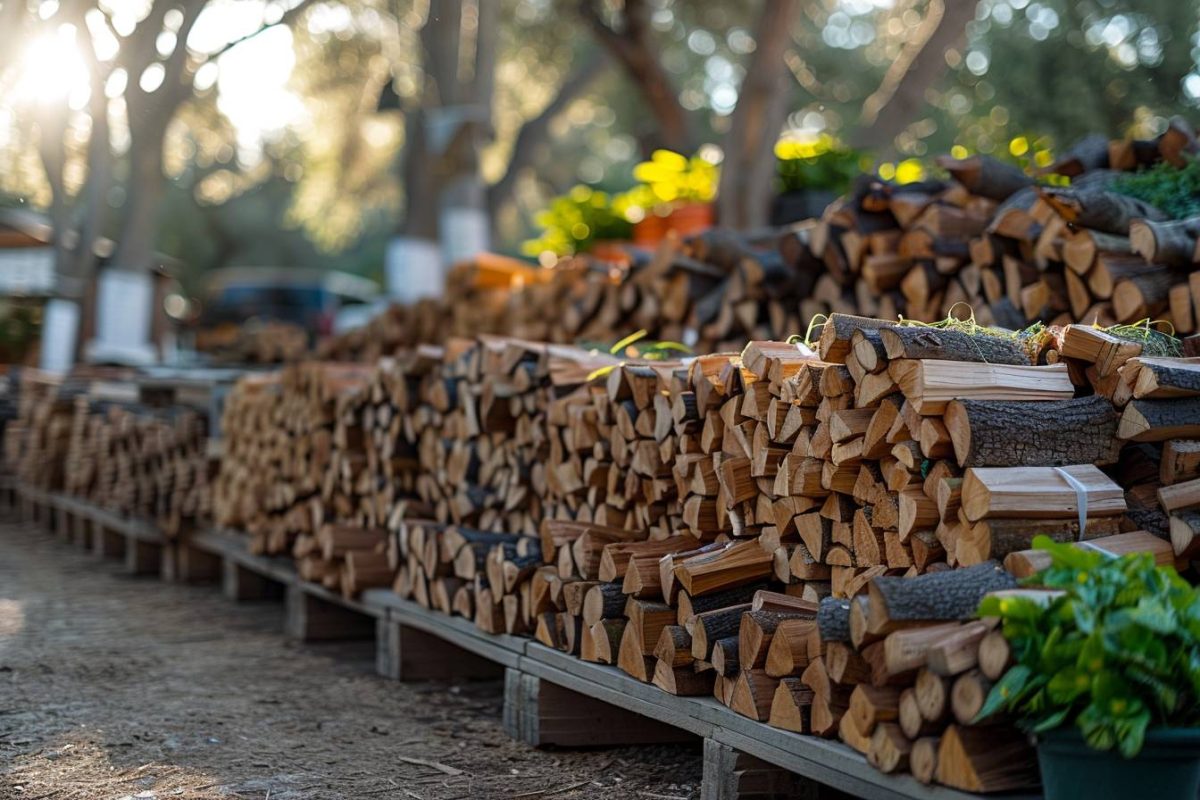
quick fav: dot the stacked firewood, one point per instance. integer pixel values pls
(254, 343)
(139, 461)
(713, 291)
(992, 239)
(279, 429)
(36, 441)
(900, 673)
(1158, 396)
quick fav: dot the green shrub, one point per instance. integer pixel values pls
(819, 164)
(1174, 191)
(1116, 653)
(574, 221)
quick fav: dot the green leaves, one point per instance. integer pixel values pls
(1167, 188)
(1117, 651)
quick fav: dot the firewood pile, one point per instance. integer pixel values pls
(1012, 250)
(279, 432)
(90, 436)
(138, 461)
(988, 239)
(36, 440)
(714, 291)
(695, 518)
(257, 343)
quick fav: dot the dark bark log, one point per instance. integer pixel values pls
(936, 596)
(604, 601)
(1100, 209)
(1159, 420)
(1048, 434)
(710, 627)
(951, 345)
(986, 176)
(834, 344)
(1163, 379)
(726, 656)
(1172, 243)
(833, 619)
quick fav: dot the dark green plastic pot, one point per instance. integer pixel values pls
(1168, 768)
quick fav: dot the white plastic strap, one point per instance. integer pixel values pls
(1080, 498)
(1098, 549)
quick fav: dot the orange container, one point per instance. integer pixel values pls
(685, 220)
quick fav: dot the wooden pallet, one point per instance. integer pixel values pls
(550, 698)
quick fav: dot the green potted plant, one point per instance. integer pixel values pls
(1106, 675)
(675, 194)
(582, 220)
(810, 174)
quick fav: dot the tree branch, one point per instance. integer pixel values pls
(634, 48)
(285, 19)
(536, 129)
(901, 94)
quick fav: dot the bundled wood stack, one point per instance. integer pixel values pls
(1012, 250)
(139, 461)
(1158, 395)
(487, 470)
(280, 443)
(900, 673)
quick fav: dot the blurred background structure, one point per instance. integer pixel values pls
(170, 138)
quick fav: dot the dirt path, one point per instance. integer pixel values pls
(114, 687)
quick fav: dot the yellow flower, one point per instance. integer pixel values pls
(1019, 146)
(909, 170)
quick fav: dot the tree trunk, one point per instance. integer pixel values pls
(744, 199)
(145, 190)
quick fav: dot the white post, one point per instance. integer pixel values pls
(464, 233)
(414, 269)
(124, 308)
(60, 326)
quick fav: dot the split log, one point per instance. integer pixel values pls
(922, 342)
(1039, 492)
(985, 760)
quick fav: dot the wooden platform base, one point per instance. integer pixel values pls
(404, 653)
(541, 713)
(550, 698)
(314, 616)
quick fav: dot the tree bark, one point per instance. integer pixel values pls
(1100, 209)
(951, 345)
(1159, 420)
(936, 596)
(989, 433)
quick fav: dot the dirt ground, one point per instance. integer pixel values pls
(119, 688)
